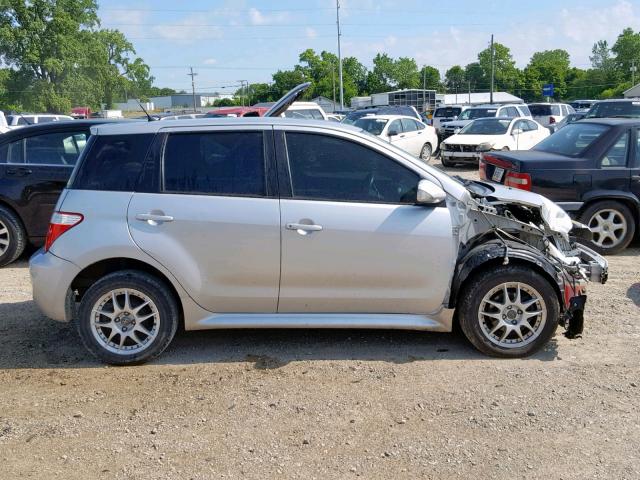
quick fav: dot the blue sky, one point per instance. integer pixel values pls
(229, 40)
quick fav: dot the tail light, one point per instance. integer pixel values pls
(518, 180)
(498, 162)
(60, 223)
(552, 120)
(482, 169)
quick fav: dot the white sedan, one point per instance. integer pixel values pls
(406, 133)
(485, 134)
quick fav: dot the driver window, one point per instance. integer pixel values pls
(395, 125)
(616, 156)
(331, 168)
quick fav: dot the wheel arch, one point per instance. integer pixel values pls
(626, 198)
(492, 254)
(90, 274)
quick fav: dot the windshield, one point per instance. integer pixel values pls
(615, 109)
(544, 110)
(474, 113)
(375, 126)
(447, 112)
(572, 140)
(486, 126)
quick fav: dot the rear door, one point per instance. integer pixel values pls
(214, 220)
(612, 172)
(413, 136)
(38, 168)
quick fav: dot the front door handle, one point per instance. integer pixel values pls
(304, 228)
(154, 218)
(635, 178)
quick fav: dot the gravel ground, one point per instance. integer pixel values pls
(323, 404)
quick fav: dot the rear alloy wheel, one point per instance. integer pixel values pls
(127, 318)
(509, 311)
(426, 152)
(13, 238)
(611, 224)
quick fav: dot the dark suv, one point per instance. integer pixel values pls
(35, 164)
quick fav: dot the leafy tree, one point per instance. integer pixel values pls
(627, 51)
(455, 78)
(507, 76)
(475, 77)
(430, 78)
(550, 66)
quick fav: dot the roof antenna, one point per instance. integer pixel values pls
(151, 119)
(24, 118)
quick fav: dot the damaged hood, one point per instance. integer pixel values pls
(555, 217)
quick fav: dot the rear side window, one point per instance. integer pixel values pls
(409, 125)
(113, 163)
(12, 152)
(215, 163)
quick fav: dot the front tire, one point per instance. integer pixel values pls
(13, 238)
(446, 163)
(508, 311)
(127, 318)
(612, 225)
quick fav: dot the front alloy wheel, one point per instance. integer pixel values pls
(508, 311)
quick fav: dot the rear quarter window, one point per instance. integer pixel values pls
(112, 163)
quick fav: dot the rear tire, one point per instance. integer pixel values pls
(13, 238)
(491, 321)
(612, 224)
(426, 153)
(127, 318)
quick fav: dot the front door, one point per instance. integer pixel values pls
(215, 222)
(634, 164)
(353, 239)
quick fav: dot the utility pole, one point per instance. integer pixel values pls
(243, 91)
(424, 88)
(192, 74)
(469, 85)
(333, 82)
(493, 70)
(633, 69)
(339, 56)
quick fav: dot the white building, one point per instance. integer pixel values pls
(481, 98)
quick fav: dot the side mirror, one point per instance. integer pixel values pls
(429, 193)
(455, 117)
(393, 132)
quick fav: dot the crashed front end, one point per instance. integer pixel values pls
(510, 224)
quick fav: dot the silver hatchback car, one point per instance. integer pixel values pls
(277, 222)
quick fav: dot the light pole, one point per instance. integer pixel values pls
(242, 90)
(633, 69)
(493, 70)
(339, 56)
(192, 74)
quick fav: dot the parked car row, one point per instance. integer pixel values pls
(282, 222)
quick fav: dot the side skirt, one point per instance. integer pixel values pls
(440, 322)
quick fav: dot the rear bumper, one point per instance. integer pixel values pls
(51, 279)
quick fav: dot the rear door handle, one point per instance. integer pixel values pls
(303, 228)
(154, 218)
(19, 172)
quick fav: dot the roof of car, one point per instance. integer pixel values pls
(37, 128)
(154, 127)
(622, 100)
(387, 116)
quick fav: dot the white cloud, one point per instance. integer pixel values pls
(258, 18)
(210, 61)
(311, 32)
(188, 30)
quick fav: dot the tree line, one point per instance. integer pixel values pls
(608, 77)
(54, 55)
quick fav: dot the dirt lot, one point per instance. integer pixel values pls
(323, 404)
